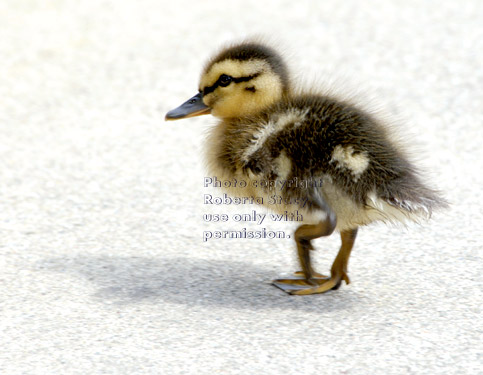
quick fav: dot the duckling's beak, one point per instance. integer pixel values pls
(190, 108)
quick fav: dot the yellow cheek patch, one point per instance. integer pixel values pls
(236, 101)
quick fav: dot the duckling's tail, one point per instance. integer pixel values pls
(413, 198)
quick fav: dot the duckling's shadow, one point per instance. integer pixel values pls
(128, 280)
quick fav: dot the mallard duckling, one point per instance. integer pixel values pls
(353, 173)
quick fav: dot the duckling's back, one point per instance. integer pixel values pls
(328, 146)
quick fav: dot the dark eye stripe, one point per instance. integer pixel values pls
(212, 88)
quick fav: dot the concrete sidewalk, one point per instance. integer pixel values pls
(103, 265)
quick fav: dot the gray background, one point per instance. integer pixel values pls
(103, 267)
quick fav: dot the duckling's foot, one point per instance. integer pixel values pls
(333, 283)
(302, 286)
(299, 282)
(309, 282)
(314, 274)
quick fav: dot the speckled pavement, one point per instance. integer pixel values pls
(103, 265)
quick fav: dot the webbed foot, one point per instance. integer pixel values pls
(299, 285)
(299, 281)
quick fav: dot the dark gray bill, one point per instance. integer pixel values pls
(190, 108)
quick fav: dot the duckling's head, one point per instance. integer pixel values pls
(239, 81)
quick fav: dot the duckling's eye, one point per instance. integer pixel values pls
(224, 80)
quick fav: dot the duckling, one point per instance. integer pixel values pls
(353, 172)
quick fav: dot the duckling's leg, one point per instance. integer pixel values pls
(338, 272)
(308, 278)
